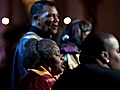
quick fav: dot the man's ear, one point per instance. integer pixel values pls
(105, 56)
(36, 18)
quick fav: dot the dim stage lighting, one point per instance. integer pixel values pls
(5, 20)
(67, 20)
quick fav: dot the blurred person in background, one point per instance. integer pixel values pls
(10, 36)
(72, 39)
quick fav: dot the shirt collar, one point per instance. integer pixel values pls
(39, 32)
(42, 71)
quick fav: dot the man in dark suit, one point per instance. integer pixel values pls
(99, 68)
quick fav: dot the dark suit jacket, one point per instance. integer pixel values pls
(89, 76)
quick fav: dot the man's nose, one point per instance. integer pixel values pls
(56, 18)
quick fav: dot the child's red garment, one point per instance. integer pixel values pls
(36, 80)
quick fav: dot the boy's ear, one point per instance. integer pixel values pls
(105, 56)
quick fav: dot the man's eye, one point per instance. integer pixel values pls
(57, 54)
(49, 15)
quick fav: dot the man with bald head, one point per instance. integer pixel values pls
(99, 68)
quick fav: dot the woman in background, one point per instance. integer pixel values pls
(72, 39)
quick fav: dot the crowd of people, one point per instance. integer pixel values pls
(99, 68)
(83, 59)
(44, 19)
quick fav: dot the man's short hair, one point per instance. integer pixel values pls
(37, 7)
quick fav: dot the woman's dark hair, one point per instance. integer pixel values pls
(72, 33)
(35, 51)
(75, 29)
